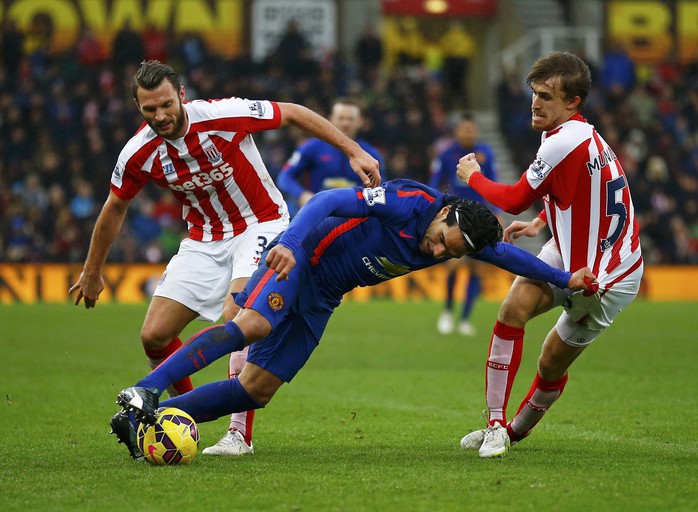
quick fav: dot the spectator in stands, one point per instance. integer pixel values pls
(617, 74)
(11, 47)
(458, 48)
(127, 47)
(89, 50)
(155, 43)
(368, 52)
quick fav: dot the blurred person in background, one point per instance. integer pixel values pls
(317, 165)
(444, 177)
(203, 152)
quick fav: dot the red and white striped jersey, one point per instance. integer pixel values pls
(214, 170)
(587, 200)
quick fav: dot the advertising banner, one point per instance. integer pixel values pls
(219, 22)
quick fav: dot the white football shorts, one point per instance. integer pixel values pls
(584, 318)
(199, 275)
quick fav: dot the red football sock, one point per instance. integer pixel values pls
(157, 356)
(506, 347)
(539, 399)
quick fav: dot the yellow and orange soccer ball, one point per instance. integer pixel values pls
(174, 439)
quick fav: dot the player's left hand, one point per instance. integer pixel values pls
(281, 260)
(467, 166)
(584, 280)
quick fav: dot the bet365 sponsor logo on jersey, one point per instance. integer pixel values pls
(204, 179)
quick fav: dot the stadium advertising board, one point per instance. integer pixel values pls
(445, 8)
(654, 30)
(316, 20)
(218, 21)
(31, 283)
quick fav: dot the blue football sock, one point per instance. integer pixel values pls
(201, 350)
(450, 284)
(211, 401)
(471, 295)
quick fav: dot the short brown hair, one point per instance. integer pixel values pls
(351, 102)
(573, 72)
(150, 75)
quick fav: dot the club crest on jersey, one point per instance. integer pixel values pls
(540, 168)
(214, 156)
(374, 195)
(168, 169)
(275, 301)
(256, 108)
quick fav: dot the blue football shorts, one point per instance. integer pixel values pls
(297, 311)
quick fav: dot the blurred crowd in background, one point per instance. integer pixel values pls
(65, 118)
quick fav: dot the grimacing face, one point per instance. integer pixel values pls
(549, 108)
(441, 240)
(162, 110)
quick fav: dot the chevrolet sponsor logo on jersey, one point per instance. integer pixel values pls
(392, 268)
(389, 269)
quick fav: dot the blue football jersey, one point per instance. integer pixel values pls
(369, 235)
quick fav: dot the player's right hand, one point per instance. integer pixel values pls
(281, 260)
(467, 166)
(367, 168)
(584, 280)
(88, 288)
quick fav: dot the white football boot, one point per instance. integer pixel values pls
(445, 324)
(473, 441)
(495, 442)
(465, 328)
(232, 444)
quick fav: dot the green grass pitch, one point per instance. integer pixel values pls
(373, 422)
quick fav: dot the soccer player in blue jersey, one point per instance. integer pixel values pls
(443, 176)
(315, 165)
(341, 239)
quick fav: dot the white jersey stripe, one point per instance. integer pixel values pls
(588, 206)
(223, 185)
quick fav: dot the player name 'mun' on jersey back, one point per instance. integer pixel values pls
(588, 204)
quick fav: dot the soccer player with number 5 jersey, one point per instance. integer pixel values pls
(590, 213)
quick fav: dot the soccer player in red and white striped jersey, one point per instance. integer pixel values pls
(203, 152)
(588, 208)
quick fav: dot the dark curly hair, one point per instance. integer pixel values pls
(476, 221)
(150, 75)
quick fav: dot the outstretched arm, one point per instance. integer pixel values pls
(517, 261)
(90, 284)
(338, 202)
(513, 199)
(360, 161)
